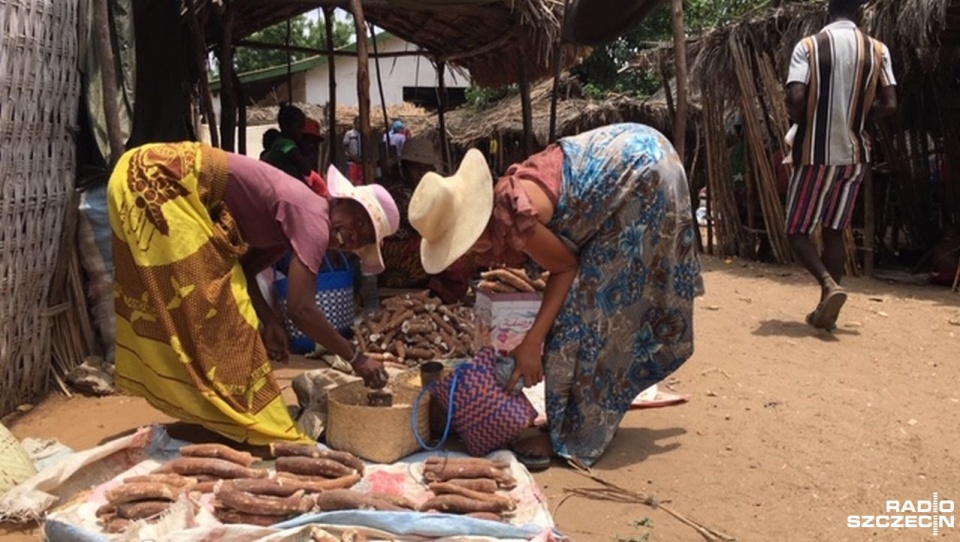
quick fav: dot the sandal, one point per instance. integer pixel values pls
(829, 309)
(533, 463)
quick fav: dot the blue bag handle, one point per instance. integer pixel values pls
(446, 429)
(343, 259)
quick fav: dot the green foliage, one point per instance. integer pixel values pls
(303, 32)
(602, 72)
(480, 97)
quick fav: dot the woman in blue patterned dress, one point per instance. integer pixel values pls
(608, 214)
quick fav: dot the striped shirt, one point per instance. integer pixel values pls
(842, 68)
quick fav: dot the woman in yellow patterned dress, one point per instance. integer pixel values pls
(192, 227)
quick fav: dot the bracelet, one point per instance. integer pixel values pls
(356, 356)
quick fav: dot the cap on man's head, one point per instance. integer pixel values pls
(845, 6)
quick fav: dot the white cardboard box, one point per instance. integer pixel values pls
(504, 319)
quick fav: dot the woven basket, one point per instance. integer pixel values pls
(15, 464)
(378, 434)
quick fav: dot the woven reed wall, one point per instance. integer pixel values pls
(39, 88)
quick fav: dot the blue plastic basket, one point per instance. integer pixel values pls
(334, 297)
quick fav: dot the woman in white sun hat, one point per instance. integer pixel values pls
(193, 225)
(608, 213)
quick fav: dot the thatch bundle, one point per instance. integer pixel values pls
(503, 120)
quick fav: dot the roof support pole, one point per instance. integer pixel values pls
(228, 100)
(108, 78)
(441, 109)
(332, 143)
(200, 56)
(680, 53)
(526, 107)
(557, 68)
(363, 90)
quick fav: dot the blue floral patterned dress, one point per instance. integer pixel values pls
(627, 322)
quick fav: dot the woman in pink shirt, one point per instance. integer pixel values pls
(193, 225)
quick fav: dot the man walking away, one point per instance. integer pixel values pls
(839, 79)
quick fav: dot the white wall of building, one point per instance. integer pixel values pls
(398, 72)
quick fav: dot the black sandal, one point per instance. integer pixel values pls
(532, 463)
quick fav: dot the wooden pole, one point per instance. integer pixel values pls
(200, 54)
(376, 64)
(228, 99)
(363, 90)
(527, 108)
(334, 144)
(441, 109)
(680, 53)
(558, 67)
(108, 78)
(241, 115)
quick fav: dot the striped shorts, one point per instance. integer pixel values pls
(824, 195)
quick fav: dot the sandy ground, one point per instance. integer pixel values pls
(788, 431)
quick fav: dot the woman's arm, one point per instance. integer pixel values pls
(303, 310)
(271, 325)
(545, 248)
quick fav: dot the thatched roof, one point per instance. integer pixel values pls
(575, 114)
(417, 119)
(916, 31)
(489, 38)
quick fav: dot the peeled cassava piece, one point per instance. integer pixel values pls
(218, 468)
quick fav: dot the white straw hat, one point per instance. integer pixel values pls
(450, 213)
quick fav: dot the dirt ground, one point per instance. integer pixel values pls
(788, 430)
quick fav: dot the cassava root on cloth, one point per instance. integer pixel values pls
(219, 451)
(510, 280)
(441, 472)
(459, 504)
(174, 480)
(218, 468)
(345, 499)
(483, 485)
(413, 328)
(503, 502)
(313, 466)
(142, 509)
(243, 501)
(143, 491)
(232, 516)
(288, 449)
(317, 484)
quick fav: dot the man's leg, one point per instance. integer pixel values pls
(834, 252)
(806, 187)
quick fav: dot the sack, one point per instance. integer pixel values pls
(334, 298)
(484, 415)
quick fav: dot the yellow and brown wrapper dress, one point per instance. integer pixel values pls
(187, 332)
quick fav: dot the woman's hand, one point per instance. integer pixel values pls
(372, 371)
(529, 357)
(275, 339)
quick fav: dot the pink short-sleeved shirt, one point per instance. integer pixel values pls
(276, 213)
(514, 215)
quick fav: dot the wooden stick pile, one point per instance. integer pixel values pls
(414, 328)
(469, 486)
(510, 280)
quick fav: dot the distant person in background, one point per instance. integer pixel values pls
(839, 79)
(310, 143)
(401, 251)
(394, 140)
(353, 149)
(285, 153)
(269, 137)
